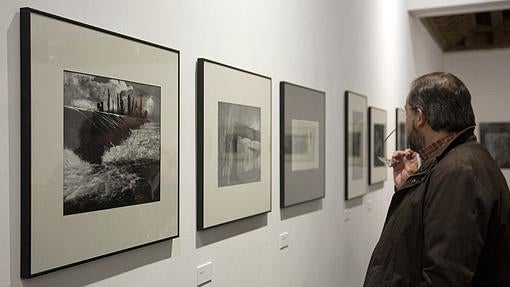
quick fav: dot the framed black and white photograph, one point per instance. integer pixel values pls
(400, 129)
(302, 144)
(377, 134)
(238, 144)
(100, 143)
(233, 144)
(495, 137)
(356, 145)
(112, 141)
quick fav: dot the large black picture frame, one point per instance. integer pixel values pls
(233, 144)
(56, 54)
(302, 126)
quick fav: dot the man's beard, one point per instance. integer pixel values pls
(416, 140)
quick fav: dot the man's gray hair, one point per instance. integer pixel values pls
(445, 101)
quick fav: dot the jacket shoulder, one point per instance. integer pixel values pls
(471, 161)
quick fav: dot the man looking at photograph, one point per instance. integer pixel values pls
(448, 223)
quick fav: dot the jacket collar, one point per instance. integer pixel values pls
(463, 136)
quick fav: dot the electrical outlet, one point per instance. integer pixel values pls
(204, 273)
(347, 215)
(284, 240)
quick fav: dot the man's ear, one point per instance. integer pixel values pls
(420, 118)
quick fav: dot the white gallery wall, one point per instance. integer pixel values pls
(485, 73)
(369, 46)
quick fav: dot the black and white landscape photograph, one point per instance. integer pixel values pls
(239, 147)
(378, 142)
(305, 145)
(111, 143)
(495, 137)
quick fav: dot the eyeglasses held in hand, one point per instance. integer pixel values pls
(389, 162)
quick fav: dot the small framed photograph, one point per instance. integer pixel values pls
(233, 144)
(356, 145)
(100, 143)
(400, 129)
(495, 137)
(377, 134)
(302, 144)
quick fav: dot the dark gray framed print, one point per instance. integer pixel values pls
(302, 144)
(356, 145)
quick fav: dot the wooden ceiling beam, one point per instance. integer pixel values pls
(473, 31)
(435, 32)
(469, 40)
(451, 30)
(497, 24)
(486, 28)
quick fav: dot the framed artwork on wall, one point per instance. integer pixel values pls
(495, 137)
(377, 134)
(100, 143)
(233, 144)
(302, 144)
(400, 126)
(356, 145)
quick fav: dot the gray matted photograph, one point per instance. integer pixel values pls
(495, 137)
(302, 144)
(238, 144)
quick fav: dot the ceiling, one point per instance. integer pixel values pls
(473, 31)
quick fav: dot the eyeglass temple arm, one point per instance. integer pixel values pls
(389, 134)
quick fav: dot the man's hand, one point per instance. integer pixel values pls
(404, 163)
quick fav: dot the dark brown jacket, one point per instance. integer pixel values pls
(448, 225)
